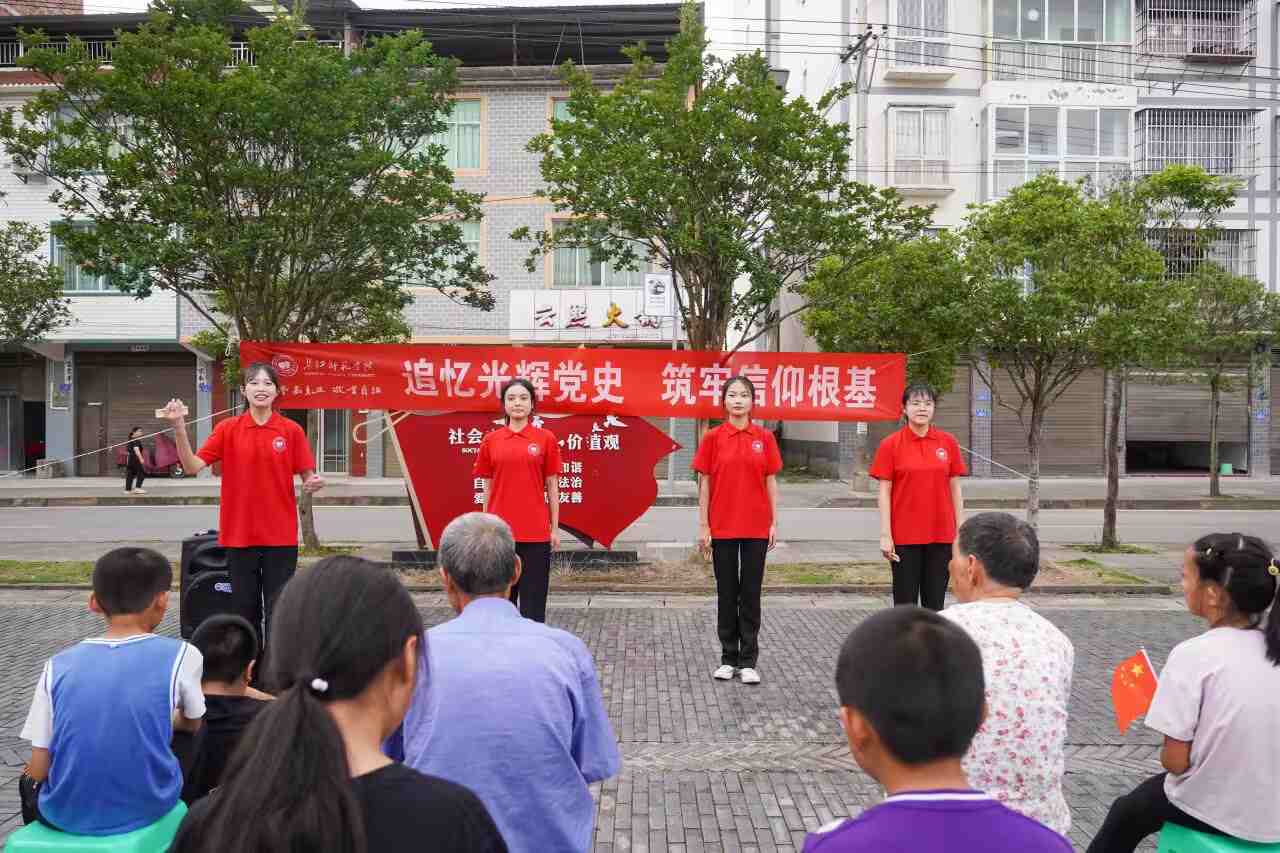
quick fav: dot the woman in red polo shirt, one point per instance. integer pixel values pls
(920, 502)
(520, 466)
(261, 451)
(738, 512)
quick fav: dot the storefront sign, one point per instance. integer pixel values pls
(646, 382)
(605, 483)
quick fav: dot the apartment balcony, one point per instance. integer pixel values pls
(1057, 61)
(1221, 32)
(1222, 142)
(11, 50)
(919, 59)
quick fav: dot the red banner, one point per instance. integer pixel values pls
(651, 383)
(597, 453)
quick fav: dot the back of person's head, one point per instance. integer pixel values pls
(337, 628)
(478, 553)
(1245, 567)
(1007, 547)
(916, 678)
(127, 580)
(228, 644)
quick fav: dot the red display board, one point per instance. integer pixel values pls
(607, 481)
(598, 381)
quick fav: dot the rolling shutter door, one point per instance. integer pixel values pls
(1170, 411)
(132, 387)
(1072, 430)
(390, 458)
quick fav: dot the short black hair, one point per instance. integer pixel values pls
(127, 580)
(228, 643)
(1007, 546)
(917, 679)
(919, 389)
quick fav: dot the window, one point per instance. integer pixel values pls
(461, 138)
(1072, 142)
(573, 266)
(76, 279)
(920, 139)
(1221, 31)
(1222, 142)
(1062, 20)
(560, 109)
(1184, 250)
(921, 33)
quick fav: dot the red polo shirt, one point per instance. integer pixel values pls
(258, 507)
(738, 461)
(518, 465)
(920, 468)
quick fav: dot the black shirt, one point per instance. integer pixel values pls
(225, 719)
(404, 812)
(131, 456)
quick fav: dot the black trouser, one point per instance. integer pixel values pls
(1140, 813)
(920, 576)
(257, 576)
(134, 474)
(530, 592)
(739, 568)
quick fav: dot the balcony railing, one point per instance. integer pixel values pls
(1086, 63)
(1218, 31)
(11, 50)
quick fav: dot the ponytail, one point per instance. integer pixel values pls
(1250, 574)
(288, 786)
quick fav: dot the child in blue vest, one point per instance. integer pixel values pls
(106, 709)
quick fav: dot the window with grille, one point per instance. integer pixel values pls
(1222, 142)
(573, 266)
(920, 142)
(1072, 142)
(461, 137)
(921, 36)
(1234, 249)
(1206, 30)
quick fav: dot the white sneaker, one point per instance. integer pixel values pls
(139, 492)
(749, 675)
(128, 491)
(724, 673)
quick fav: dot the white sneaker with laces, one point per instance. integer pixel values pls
(724, 673)
(139, 492)
(749, 675)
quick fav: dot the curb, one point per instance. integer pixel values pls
(1085, 503)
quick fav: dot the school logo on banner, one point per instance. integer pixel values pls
(285, 365)
(277, 444)
(942, 453)
(757, 446)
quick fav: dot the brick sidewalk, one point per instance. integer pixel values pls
(711, 765)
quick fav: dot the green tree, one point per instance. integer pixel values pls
(705, 167)
(1231, 316)
(32, 303)
(1062, 283)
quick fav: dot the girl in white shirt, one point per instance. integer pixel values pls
(1218, 697)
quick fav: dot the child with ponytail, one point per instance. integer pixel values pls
(309, 773)
(1217, 705)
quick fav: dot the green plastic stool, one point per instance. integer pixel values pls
(38, 838)
(1178, 839)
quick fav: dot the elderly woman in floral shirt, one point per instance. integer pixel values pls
(1017, 755)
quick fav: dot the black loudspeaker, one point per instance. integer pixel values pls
(204, 584)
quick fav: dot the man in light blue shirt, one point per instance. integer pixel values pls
(508, 707)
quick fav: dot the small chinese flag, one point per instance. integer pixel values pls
(1133, 686)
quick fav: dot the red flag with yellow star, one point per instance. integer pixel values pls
(1133, 686)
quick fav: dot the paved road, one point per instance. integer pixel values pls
(711, 766)
(660, 524)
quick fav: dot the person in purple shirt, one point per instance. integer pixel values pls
(911, 699)
(509, 708)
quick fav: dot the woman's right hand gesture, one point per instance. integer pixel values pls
(704, 540)
(886, 548)
(174, 412)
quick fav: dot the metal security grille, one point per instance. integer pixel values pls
(1184, 250)
(1222, 142)
(1199, 30)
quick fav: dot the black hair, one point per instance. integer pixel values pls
(917, 679)
(259, 367)
(1007, 546)
(127, 580)
(288, 784)
(738, 380)
(134, 429)
(1247, 569)
(525, 384)
(919, 389)
(228, 643)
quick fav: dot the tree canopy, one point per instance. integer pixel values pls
(32, 303)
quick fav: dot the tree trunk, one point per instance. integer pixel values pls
(306, 502)
(1215, 399)
(1116, 400)
(1035, 436)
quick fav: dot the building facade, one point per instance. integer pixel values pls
(959, 101)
